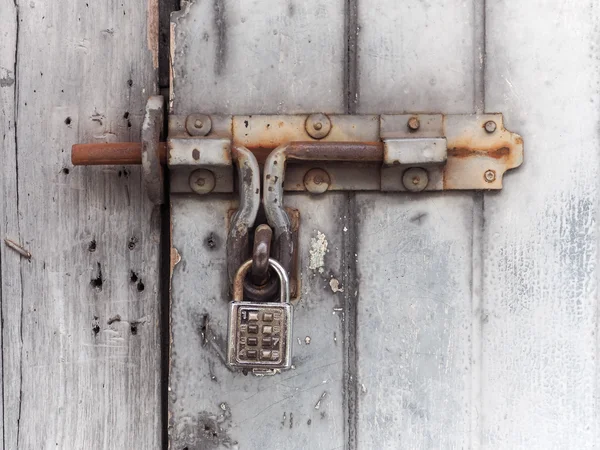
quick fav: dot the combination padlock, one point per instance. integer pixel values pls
(260, 334)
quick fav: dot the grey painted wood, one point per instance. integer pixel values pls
(259, 57)
(81, 346)
(539, 315)
(256, 57)
(469, 320)
(415, 251)
(9, 227)
(214, 407)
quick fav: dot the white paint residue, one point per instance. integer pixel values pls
(318, 404)
(307, 340)
(335, 285)
(318, 248)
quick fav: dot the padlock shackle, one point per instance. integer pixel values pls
(238, 282)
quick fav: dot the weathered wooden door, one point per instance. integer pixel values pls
(459, 320)
(462, 320)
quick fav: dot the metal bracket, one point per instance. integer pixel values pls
(418, 152)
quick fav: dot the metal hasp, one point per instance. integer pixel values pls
(414, 152)
(245, 216)
(391, 152)
(274, 177)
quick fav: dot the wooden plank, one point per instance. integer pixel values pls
(81, 338)
(214, 407)
(540, 311)
(259, 57)
(248, 58)
(414, 253)
(9, 227)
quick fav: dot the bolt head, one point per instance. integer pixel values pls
(202, 181)
(413, 124)
(317, 125)
(490, 126)
(198, 124)
(415, 179)
(317, 181)
(489, 176)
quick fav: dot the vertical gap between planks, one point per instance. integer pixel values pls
(18, 235)
(166, 7)
(349, 240)
(478, 259)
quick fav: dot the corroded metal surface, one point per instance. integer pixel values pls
(274, 176)
(473, 151)
(458, 152)
(151, 166)
(112, 153)
(249, 196)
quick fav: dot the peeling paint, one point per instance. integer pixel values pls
(175, 258)
(318, 248)
(334, 284)
(6, 81)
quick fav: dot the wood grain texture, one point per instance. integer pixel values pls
(414, 252)
(9, 228)
(259, 57)
(256, 57)
(81, 346)
(540, 306)
(416, 56)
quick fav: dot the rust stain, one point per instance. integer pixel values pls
(175, 259)
(152, 31)
(463, 152)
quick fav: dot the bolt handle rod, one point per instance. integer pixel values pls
(112, 154)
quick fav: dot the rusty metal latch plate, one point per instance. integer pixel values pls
(405, 152)
(419, 152)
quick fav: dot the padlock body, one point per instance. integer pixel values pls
(260, 335)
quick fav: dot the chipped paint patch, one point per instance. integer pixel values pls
(318, 249)
(334, 284)
(318, 404)
(175, 259)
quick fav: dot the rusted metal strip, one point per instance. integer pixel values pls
(112, 153)
(244, 218)
(274, 175)
(260, 254)
(152, 169)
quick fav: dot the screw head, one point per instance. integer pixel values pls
(202, 181)
(413, 124)
(415, 179)
(317, 125)
(489, 176)
(490, 126)
(198, 124)
(317, 181)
